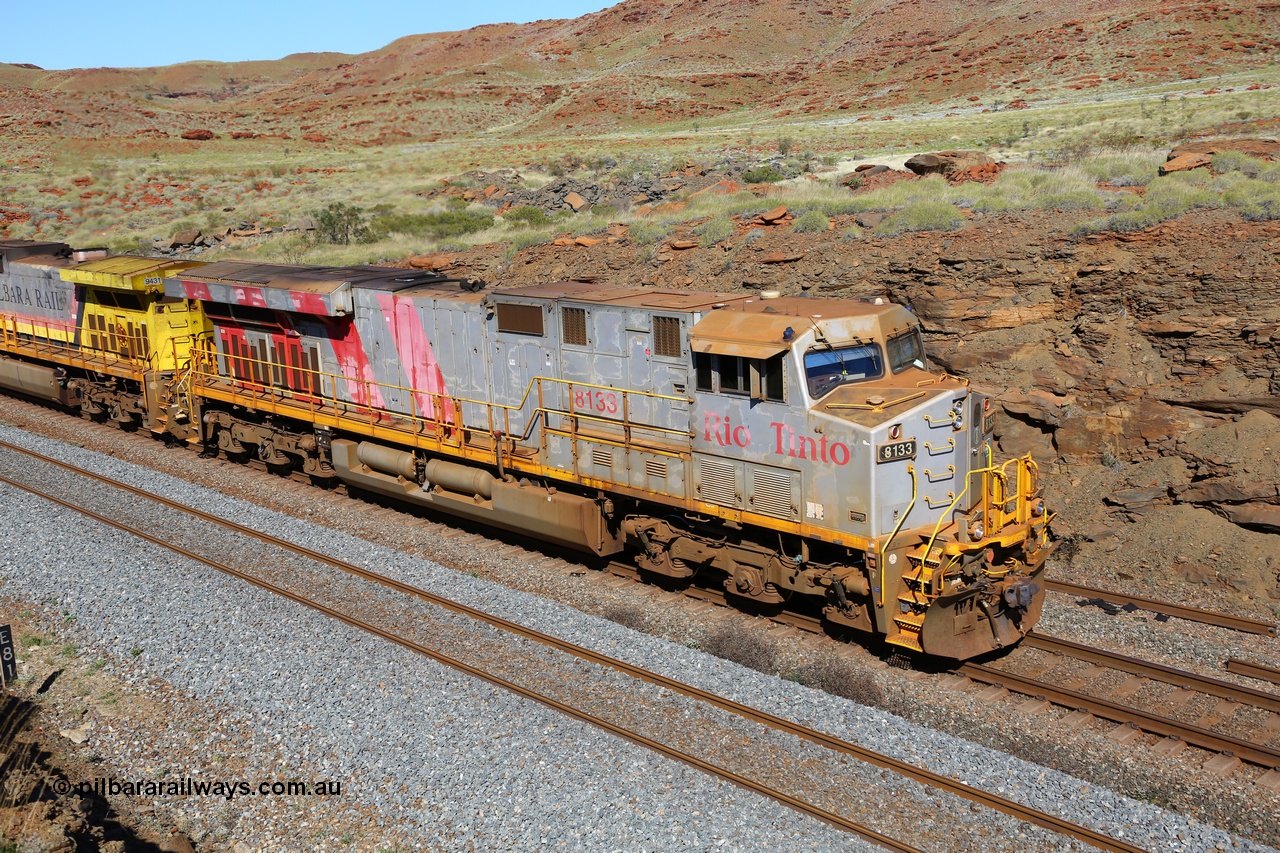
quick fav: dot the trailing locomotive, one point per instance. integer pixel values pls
(794, 450)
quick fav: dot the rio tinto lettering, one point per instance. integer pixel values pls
(721, 430)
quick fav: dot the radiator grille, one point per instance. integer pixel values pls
(666, 336)
(771, 494)
(574, 321)
(656, 468)
(602, 457)
(514, 317)
(719, 482)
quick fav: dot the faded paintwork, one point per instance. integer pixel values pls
(700, 402)
(34, 300)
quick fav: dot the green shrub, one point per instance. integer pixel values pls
(525, 240)
(763, 175)
(433, 226)
(922, 216)
(1063, 189)
(811, 222)
(1237, 161)
(714, 230)
(1123, 170)
(1257, 199)
(340, 223)
(1166, 198)
(527, 217)
(646, 232)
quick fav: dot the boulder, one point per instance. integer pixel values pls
(187, 237)
(725, 187)
(199, 134)
(774, 215)
(1185, 162)
(437, 261)
(946, 162)
(574, 200)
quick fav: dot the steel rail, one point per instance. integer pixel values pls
(918, 774)
(1244, 750)
(1253, 670)
(1168, 608)
(1155, 671)
(568, 710)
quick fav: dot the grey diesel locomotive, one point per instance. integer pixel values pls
(798, 452)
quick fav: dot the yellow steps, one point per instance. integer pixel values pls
(909, 627)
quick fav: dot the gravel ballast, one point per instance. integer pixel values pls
(433, 752)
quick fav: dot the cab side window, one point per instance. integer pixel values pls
(762, 379)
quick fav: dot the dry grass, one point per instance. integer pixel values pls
(133, 198)
(735, 643)
(840, 678)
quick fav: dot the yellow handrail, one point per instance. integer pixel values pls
(911, 469)
(205, 357)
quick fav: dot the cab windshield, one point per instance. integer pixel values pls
(906, 350)
(827, 369)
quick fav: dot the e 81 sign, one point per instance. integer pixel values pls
(8, 663)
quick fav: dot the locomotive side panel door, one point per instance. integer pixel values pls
(524, 350)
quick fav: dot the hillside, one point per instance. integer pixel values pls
(644, 64)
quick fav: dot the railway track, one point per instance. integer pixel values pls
(1175, 734)
(1167, 608)
(933, 780)
(1233, 696)
(1252, 670)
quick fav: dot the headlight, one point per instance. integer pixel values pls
(1038, 509)
(976, 530)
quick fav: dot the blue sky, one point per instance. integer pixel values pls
(137, 33)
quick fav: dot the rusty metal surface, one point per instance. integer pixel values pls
(14, 250)
(746, 334)
(315, 279)
(43, 261)
(1168, 608)
(1253, 670)
(635, 297)
(241, 272)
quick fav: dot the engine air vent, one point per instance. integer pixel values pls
(603, 458)
(771, 494)
(656, 468)
(719, 482)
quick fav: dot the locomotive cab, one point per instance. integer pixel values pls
(825, 413)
